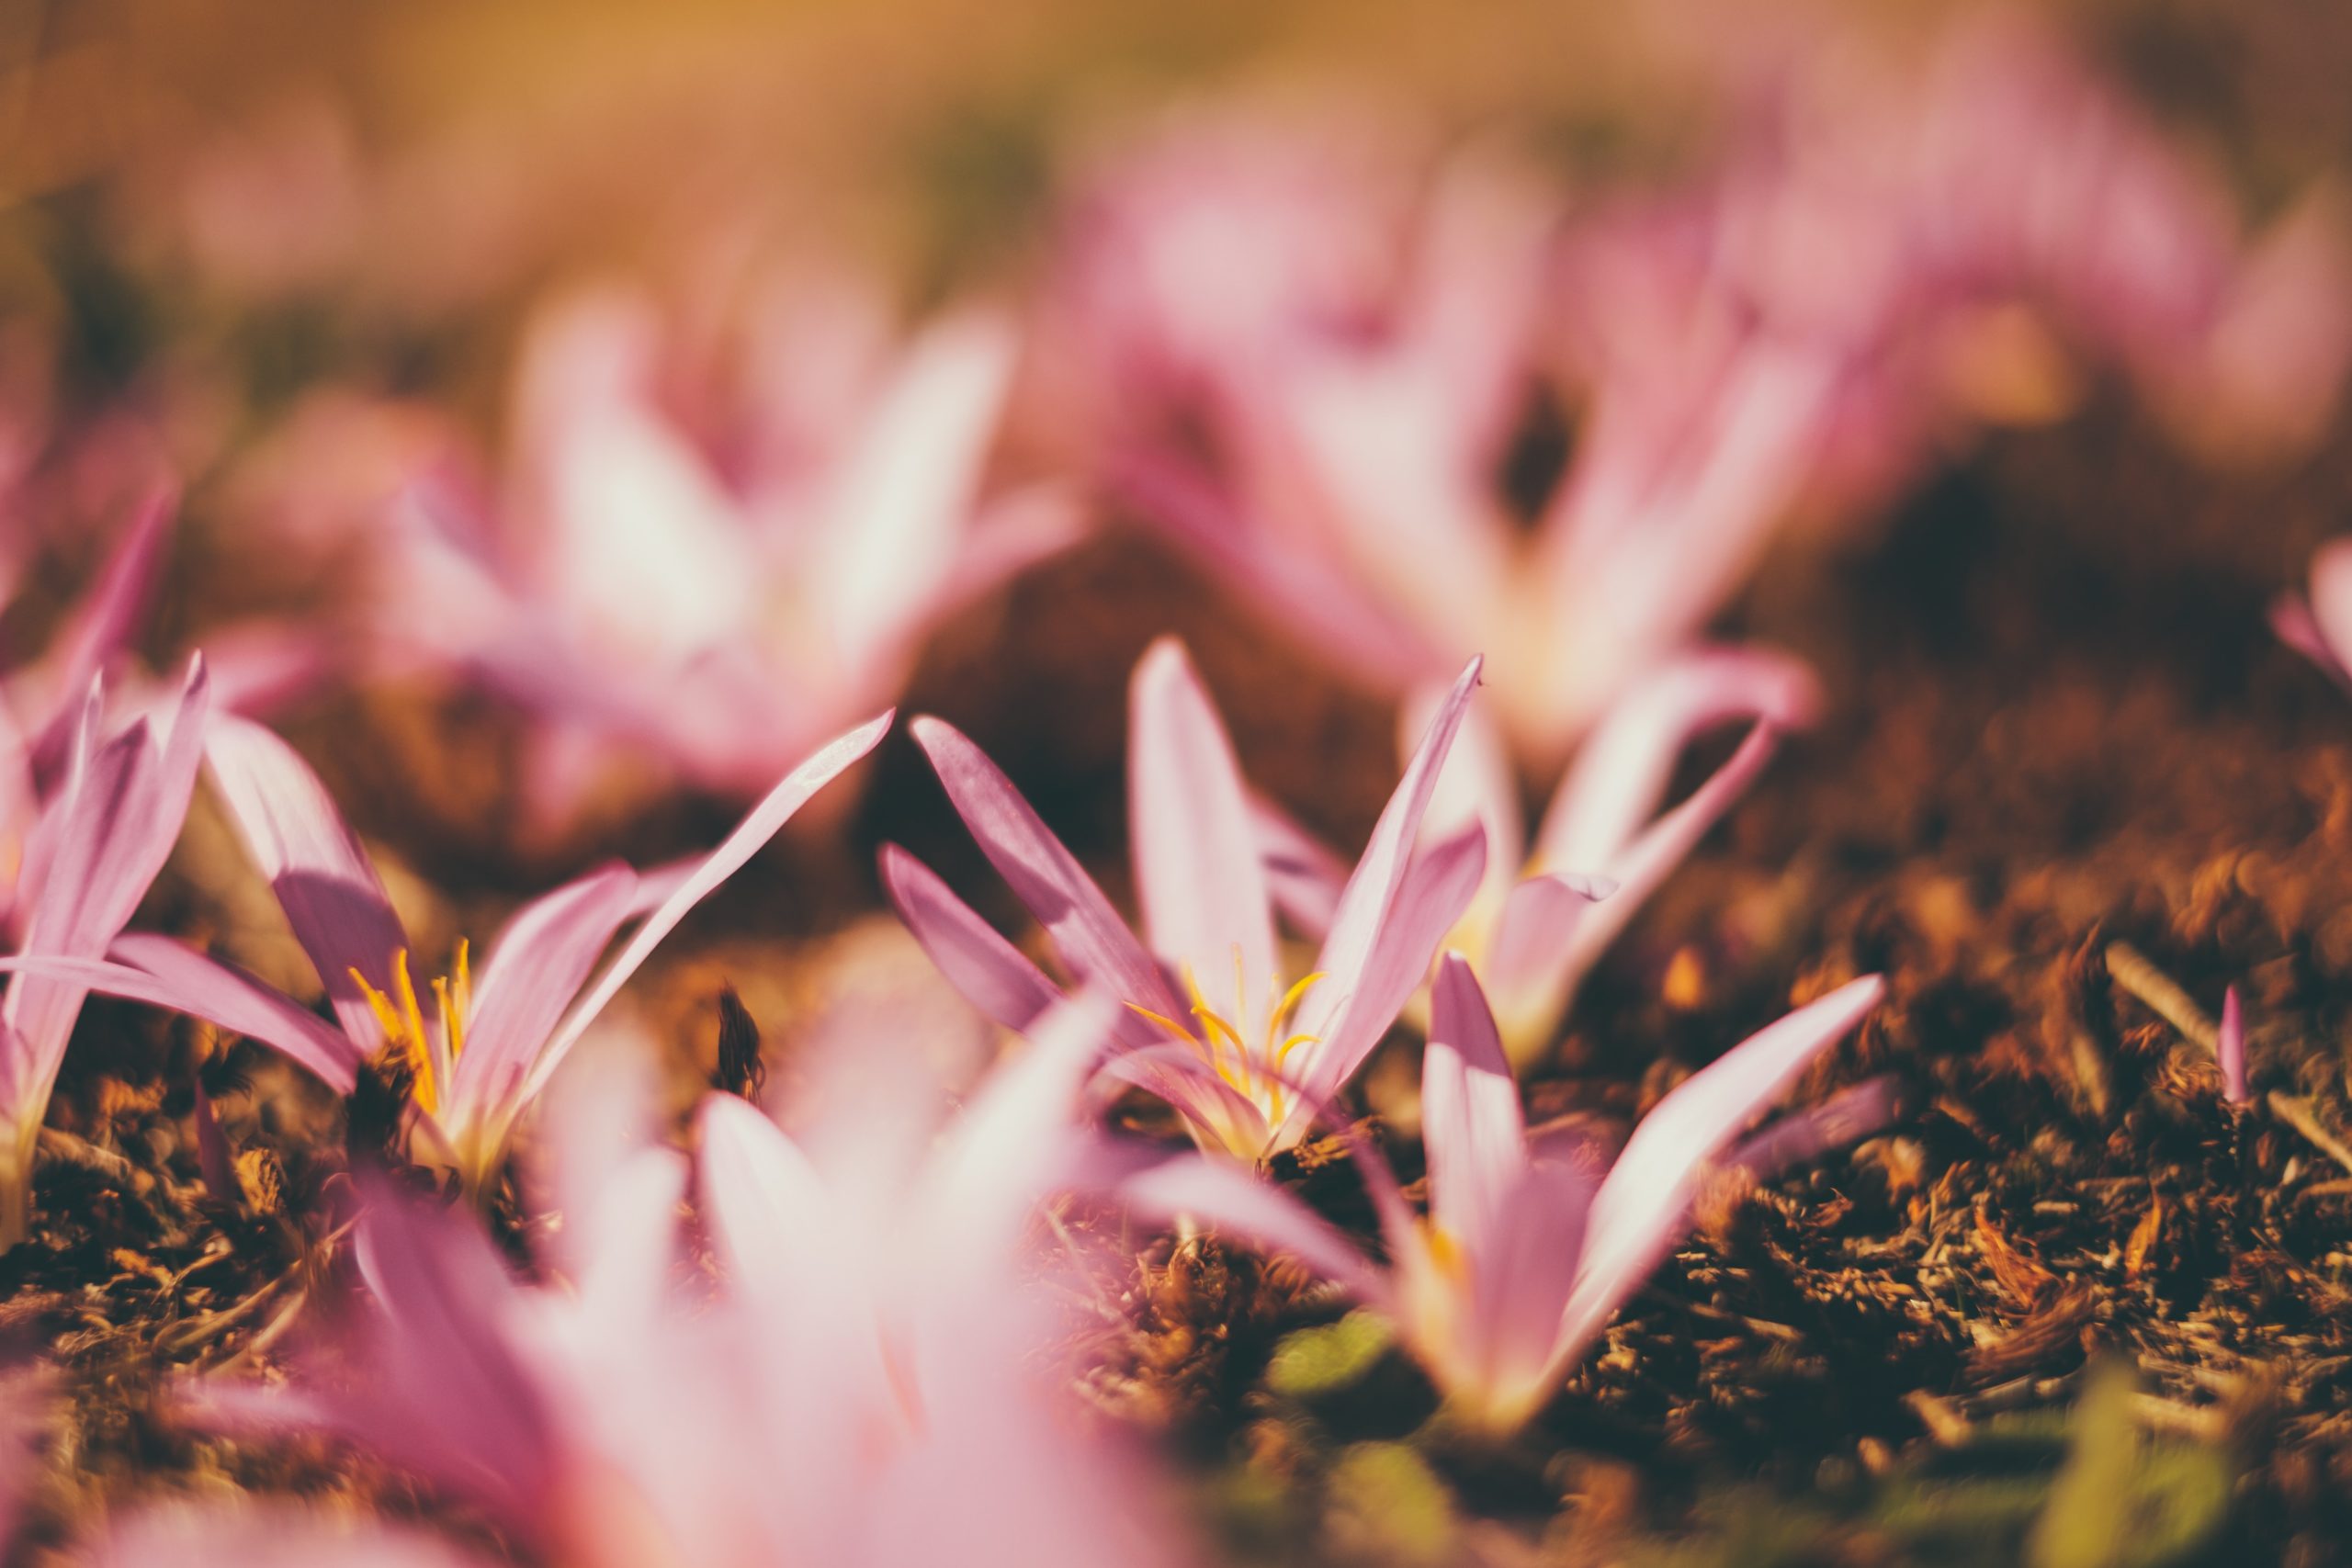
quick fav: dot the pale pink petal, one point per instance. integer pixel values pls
(748, 839)
(1524, 1279)
(1437, 888)
(908, 486)
(1640, 1207)
(1080, 921)
(2331, 598)
(334, 901)
(270, 1535)
(1476, 784)
(1539, 921)
(1548, 957)
(1197, 869)
(1622, 771)
(536, 967)
(993, 975)
(1471, 1124)
(2292, 621)
(1364, 907)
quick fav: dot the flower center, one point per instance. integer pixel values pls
(403, 1022)
(1255, 1074)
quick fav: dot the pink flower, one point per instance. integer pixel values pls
(870, 1388)
(97, 843)
(1245, 1049)
(1543, 915)
(479, 1054)
(265, 1535)
(1528, 1250)
(715, 584)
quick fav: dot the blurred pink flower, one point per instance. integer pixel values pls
(1528, 1250)
(870, 1387)
(1543, 915)
(265, 1535)
(479, 1058)
(666, 575)
(1274, 1048)
(97, 843)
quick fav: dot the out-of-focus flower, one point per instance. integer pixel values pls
(1542, 919)
(870, 1387)
(96, 844)
(1527, 1249)
(1214, 1023)
(900, 1337)
(475, 1056)
(2319, 626)
(712, 585)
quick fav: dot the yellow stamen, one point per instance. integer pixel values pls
(403, 1025)
(464, 993)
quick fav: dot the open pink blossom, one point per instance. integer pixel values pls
(1544, 914)
(1338, 427)
(93, 850)
(1528, 1249)
(871, 1386)
(712, 577)
(1208, 984)
(480, 1055)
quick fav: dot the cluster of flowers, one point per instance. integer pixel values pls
(1325, 361)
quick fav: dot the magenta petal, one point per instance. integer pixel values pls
(748, 838)
(536, 967)
(993, 975)
(110, 617)
(1640, 1207)
(1471, 1124)
(1083, 927)
(2292, 621)
(1363, 914)
(1437, 888)
(1237, 1201)
(1527, 1274)
(323, 879)
(1197, 867)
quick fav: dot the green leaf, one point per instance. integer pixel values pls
(1312, 1362)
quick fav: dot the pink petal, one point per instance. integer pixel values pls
(534, 970)
(1640, 1210)
(1044, 876)
(1476, 784)
(1548, 957)
(2232, 1049)
(2292, 621)
(1622, 771)
(1366, 905)
(1197, 868)
(748, 839)
(1438, 888)
(993, 975)
(1471, 1126)
(109, 616)
(2331, 598)
(323, 879)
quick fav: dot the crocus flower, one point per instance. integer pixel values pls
(865, 1388)
(656, 583)
(1543, 915)
(1527, 1249)
(88, 860)
(477, 1055)
(1207, 985)
(1348, 416)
